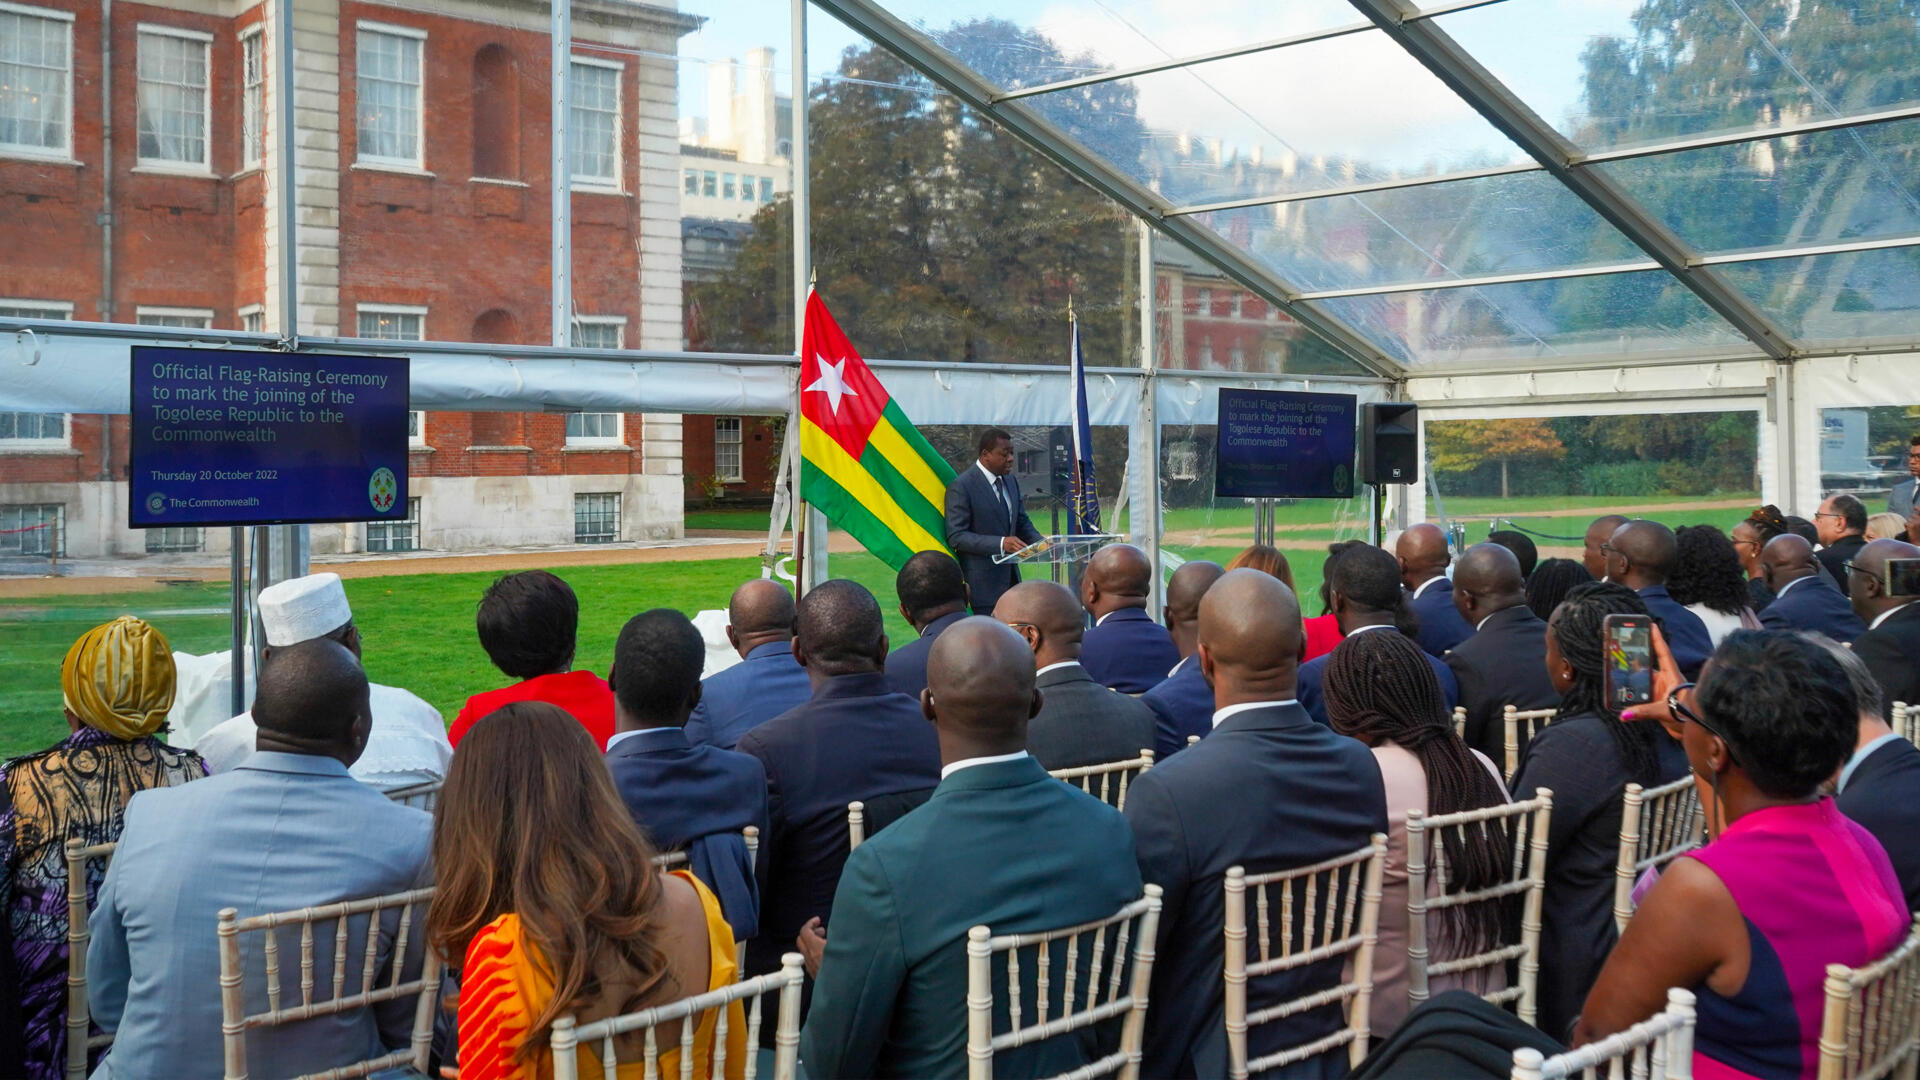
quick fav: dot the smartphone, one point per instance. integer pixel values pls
(1628, 670)
(1903, 577)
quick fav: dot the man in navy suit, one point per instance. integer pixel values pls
(1875, 787)
(1640, 555)
(1892, 639)
(1183, 702)
(987, 517)
(854, 740)
(1125, 650)
(1505, 661)
(1363, 585)
(1269, 789)
(765, 683)
(685, 797)
(1423, 570)
(1804, 598)
(933, 596)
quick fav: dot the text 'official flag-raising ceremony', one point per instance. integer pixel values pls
(862, 462)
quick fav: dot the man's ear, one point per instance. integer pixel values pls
(693, 699)
(799, 653)
(1206, 662)
(926, 705)
(1039, 700)
(905, 614)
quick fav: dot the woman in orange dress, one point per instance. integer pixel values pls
(550, 906)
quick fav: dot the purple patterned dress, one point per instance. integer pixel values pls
(77, 789)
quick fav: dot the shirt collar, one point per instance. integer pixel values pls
(282, 762)
(1784, 589)
(1428, 583)
(1373, 626)
(1882, 617)
(1861, 755)
(1056, 667)
(619, 737)
(1118, 611)
(1221, 715)
(968, 763)
(988, 473)
(769, 648)
(1175, 669)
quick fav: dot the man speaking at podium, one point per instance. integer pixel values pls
(986, 517)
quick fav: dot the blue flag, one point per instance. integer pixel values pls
(1085, 504)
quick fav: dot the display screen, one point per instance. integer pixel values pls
(1629, 660)
(1280, 444)
(1903, 577)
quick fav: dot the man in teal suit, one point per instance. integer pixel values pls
(1000, 844)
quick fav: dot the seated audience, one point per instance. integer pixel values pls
(1641, 556)
(1708, 580)
(528, 624)
(1891, 645)
(765, 683)
(1550, 583)
(933, 596)
(1080, 722)
(1749, 537)
(855, 739)
(1364, 585)
(1586, 756)
(1522, 546)
(1183, 702)
(1877, 784)
(1786, 885)
(1323, 630)
(288, 829)
(1423, 555)
(1000, 843)
(1803, 596)
(117, 683)
(1598, 534)
(696, 799)
(1125, 650)
(1269, 789)
(1804, 529)
(1901, 500)
(1841, 522)
(1885, 526)
(1505, 661)
(408, 744)
(1381, 692)
(548, 906)
(1265, 558)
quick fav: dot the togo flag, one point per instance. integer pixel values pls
(862, 462)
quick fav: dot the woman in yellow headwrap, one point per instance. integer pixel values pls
(118, 682)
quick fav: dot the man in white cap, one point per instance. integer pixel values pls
(408, 744)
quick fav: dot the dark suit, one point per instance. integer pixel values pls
(1000, 844)
(1127, 651)
(907, 665)
(1837, 555)
(1307, 686)
(1901, 499)
(1504, 663)
(1812, 603)
(764, 684)
(1084, 723)
(697, 798)
(855, 739)
(1892, 652)
(1182, 705)
(1269, 789)
(1441, 625)
(1686, 635)
(976, 523)
(1880, 795)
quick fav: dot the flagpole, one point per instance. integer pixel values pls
(809, 525)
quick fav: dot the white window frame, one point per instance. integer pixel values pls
(63, 152)
(617, 440)
(409, 525)
(252, 311)
(739, 444)
(203, 167)
(417, 420)
(142, 313)
(253, 143)
(418, 162)
(390, 309)
(64, 307)
(619, 322)
(57, 546)
(57, 309)
(689, 181)
(173, 540)
(57, 444)
(618, 508)
(617, 180)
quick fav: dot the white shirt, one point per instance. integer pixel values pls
(1235, 710)
(968, 763)
(1861, 755)
(1882, 617)
(1425, 584)
(1374, 626)
(1175, 669)
(408, 744)
(1788, 587)
(1056, 667)
(999, 492)
(619, 737)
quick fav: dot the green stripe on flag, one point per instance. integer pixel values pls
(844, 510)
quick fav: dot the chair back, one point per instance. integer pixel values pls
(1906, 721)
(1090, 992)
(80, 1045)
(1521, 726)
(569, 1037)
(423, 796)
(1323, 912)
(856, 824)
(1193, 740)
(1656, 826)
(1656, 1049)
(375, 915)
(1521, 828)
(1107, 781)
(1871, 1026)
(670, 860)
(1460, 720)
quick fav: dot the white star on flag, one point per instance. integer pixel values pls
(831, 383)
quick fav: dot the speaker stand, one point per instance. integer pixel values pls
(1376, 523)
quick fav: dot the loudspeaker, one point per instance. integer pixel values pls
(1389, 442)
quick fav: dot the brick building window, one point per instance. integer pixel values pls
(593, 429)
(726, 448)
(36, 82)
(600, 331)
(34, 309)
(174, 541)
(253, 98)
(180, 318)
(388, 60)
(33, 529)
(396, 535)
(391, 322)
(175, 98)
(29, 430)
(595, 112)
(253, 319)
(416, 428)
(596, 518)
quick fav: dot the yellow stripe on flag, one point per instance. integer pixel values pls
(907, 462)
(821, 451)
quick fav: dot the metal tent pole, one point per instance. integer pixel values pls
(809, 524)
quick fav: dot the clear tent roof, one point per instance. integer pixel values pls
(1486, 183)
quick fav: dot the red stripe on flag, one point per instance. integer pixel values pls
(837, 390)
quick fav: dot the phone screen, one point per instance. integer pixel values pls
(1903, 577)
(1629, 660)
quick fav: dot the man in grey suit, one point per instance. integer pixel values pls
(287, 829)
(1900, 500)
(987, 517)
(1080, 722)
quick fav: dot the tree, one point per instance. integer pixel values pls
(1465, 445)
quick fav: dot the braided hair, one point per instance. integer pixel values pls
(1577, 629)
(1380, 687)
(1550, 583)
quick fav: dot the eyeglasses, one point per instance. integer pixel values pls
(1818, 514)
(1686, 713)
(1853, 566)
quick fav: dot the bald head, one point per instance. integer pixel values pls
(1423, 554)
(1250, 638)
(1184, 589)
(1643, 553)
(980, 691)
(838, 631)
(312, 699)
(1598, 533)
(1055, 618)
(1118, 576)
(1785, 559)
(1487, 580)
(1867, 581)
(759, 612)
